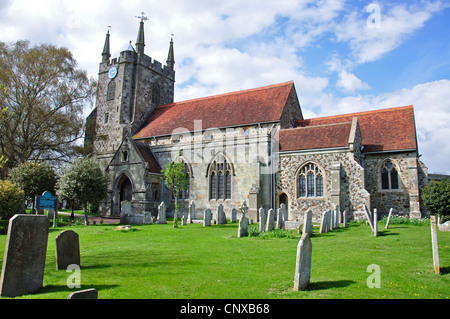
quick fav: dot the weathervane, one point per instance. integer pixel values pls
(142, 17)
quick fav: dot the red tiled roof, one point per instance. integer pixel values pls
(315, 137)
(148, 156)
(381, 130)
(258, 105)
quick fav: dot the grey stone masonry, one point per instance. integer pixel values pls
(25, 252)
(67, 249)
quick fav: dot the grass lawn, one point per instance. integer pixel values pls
(192, 262)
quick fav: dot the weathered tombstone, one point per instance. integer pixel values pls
(337, 212)
(183, 220)
(67, 249)
(148, 219)
(307, 223)
(191, 215)
(303, 264)
(375, 222)
(329, 220)
(270, 224)
(323, 223)
(368, 216)
(84, 294)
(162, 214)
(24, 258)
(344, 217)
(220, 214)
(262, 220)
(434, 244)
(243, 222)
(233, 215)
(207, 217)
(389, 218)
(281, 216)
(125, 210)
(332, 223)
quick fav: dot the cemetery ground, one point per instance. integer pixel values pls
(196, 262)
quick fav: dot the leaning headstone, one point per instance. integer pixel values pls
(323, 223)
(233, 215)
(191, 215)
(162, 214)
(207, 217)
(125, 210)
(307, 223)
(67, 249)
(375, 222)
(344, 217)
(389, 218)
(303, 264)
(270, 224)
(434, 244)
(368, 216)
(262, 220)
(25, 252)
(84, 294)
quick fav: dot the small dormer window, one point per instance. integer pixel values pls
(124, 156)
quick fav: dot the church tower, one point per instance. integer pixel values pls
(129, 89)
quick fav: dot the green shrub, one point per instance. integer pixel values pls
(12, 200)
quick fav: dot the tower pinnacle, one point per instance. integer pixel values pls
(140, 41)
(171, 57)
(106, 54)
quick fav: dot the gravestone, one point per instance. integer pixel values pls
(344, 217)
(323, 223)
(148, 219)
(125, 210)
(375, 222)
(262, 220)
(303, 264)
(84, 294)
(332, 223)
(220, 215)
(162, 214)
(67, 249)
(183, 220)
(191, 215)
(337, 213)
(233, 215)
(270, 224)
(25, 252)
(207, 217)
(329, 220)
(280, 217)
(243, 226)
(368, 216)
(307, 223)
(434, 245)
(389, 218)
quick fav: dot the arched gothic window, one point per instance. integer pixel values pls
(156, 94)
(219, 174)
(111, 91)
(310, 182)
(389, 176)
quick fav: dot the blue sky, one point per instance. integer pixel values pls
(343, 56)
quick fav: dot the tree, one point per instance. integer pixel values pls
(11, 200)
(436, 197)
(83, 181)
(44, 93)
(34, 179)
(176, 180)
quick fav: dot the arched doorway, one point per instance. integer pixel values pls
(126, 190)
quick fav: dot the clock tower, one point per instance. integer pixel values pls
(129, 89)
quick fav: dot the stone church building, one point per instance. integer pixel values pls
(253, 145)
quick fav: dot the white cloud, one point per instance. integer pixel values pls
(349, 83)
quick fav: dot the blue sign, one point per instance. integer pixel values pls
(47, 201)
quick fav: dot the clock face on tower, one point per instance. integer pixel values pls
(112, 72)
